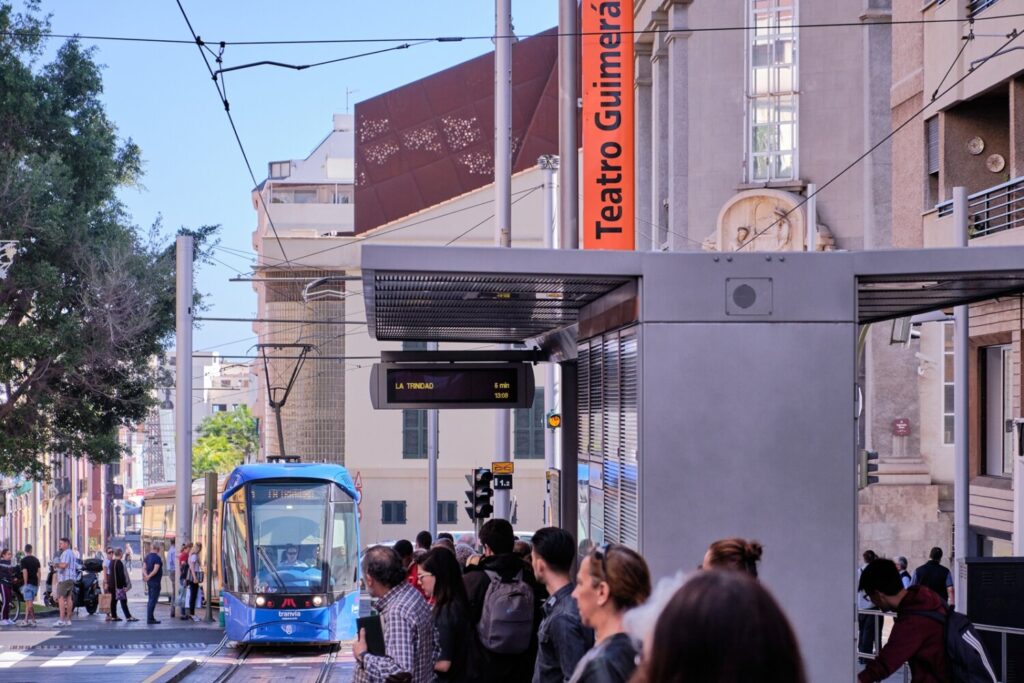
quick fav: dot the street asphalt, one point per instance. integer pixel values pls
(128, 652)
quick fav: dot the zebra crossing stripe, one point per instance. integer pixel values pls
(128, 658)
(9, 659)
(66, 659)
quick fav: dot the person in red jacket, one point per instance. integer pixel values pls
(915, 638)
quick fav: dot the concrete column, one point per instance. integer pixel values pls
(961, 419)
(678, 129)
(659, 130)
(642, 101)
(1016, 127)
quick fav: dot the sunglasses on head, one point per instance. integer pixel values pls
(601, 554)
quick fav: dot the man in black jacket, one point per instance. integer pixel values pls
(498, 539)
(933, 575)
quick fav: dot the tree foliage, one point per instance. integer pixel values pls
(88, 302)
(226, 439)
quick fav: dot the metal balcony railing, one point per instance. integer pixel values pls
(992, 210)
(975, 6)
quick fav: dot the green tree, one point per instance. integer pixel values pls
(226, 439)
(88, 301)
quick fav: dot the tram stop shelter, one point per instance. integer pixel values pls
(704, 395)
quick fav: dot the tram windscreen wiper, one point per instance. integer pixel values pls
(270, 566)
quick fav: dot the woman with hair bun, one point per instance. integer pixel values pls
(733, 553)
(722, 627)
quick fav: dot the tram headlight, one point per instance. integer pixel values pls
(317, 601)
(260, 601)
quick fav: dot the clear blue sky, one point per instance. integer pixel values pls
(162, 97)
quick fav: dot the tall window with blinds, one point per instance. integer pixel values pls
(772, 90)
(414, 422)
(528, 438)
(931, 141)
(608, 384)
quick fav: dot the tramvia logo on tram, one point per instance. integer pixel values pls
(290, 554)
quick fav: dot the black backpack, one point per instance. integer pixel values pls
(966, 658)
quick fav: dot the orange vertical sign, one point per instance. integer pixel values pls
(607, 58)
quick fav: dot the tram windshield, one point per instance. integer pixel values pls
(292, 524)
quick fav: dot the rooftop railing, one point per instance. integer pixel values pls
(993, 209)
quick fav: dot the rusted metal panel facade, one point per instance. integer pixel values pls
(433, 139)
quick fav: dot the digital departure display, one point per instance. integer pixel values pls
(268, 493)
(499, 386)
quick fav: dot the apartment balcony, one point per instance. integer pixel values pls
(314, 220)
(995, 215)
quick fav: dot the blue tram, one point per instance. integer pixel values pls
(290, 554)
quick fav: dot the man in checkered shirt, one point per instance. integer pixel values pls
(410, 640)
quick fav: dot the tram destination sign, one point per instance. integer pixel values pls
(451, 385)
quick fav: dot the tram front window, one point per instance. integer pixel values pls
(289, 525)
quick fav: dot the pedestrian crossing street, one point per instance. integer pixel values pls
(108, 659)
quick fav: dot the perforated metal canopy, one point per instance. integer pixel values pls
(479, 307)
(513, 295)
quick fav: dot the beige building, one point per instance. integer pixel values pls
(385, 450)
(971, 135)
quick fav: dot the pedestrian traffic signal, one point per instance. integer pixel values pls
(554, 420)
(868, 464)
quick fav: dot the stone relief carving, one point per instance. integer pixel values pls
(765, 220)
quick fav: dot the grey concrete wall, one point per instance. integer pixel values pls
(745, 450)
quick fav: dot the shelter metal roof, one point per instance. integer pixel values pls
(513, 295)
(506, 308)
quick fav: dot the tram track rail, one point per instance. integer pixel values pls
(305, 665)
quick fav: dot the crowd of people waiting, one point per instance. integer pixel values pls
(519, 613)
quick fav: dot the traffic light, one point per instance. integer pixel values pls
(554, 419)
(868, 464)
(479, 497)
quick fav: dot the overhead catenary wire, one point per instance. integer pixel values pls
(234, 129)
(482, 37)
(359, 239)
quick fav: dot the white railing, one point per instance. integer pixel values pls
(992, 210)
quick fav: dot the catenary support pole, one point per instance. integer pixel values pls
(35, 536)
(961, 450)
(502, 199)
(76, 542)
(432, 434)
(183, 402)
(549, 163)
(569, 493)
(568, 109)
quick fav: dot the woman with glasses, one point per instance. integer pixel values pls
(440, 577)
(612, 580)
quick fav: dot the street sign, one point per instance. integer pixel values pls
(502, 481)
(503, 467)
(451, 385)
